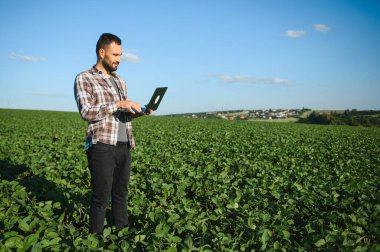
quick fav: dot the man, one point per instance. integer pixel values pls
(100, 94)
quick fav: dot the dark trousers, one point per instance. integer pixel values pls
(110, 168)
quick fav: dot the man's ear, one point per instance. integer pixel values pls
(101, 53)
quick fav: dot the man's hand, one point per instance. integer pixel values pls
(148, 111)
(130, 105)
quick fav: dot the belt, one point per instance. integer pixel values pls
(121, 143)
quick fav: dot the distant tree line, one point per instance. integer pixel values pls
(348, 117)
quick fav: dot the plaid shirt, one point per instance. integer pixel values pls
(96, 99)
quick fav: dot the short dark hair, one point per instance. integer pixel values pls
(106, 39)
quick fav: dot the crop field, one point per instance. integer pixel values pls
(196, 185)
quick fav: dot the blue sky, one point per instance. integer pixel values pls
(212, 54)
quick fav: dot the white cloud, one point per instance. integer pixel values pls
(130, 57)
(295, 34)
(322, 28)
(14, 56)
(253, 80)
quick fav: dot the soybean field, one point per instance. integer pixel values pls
(196, 185)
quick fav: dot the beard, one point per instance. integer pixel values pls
(109, 66)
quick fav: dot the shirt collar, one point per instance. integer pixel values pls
(95, 70)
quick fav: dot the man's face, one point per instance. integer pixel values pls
(111, 56)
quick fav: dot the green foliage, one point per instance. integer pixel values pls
(208, 185)
(353, 118)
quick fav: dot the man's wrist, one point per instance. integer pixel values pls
(114, 107)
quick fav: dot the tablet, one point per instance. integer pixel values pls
(154, 101)
(156, 98)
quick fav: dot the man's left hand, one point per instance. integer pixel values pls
(148, 111)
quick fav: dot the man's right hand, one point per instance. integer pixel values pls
(130, 105)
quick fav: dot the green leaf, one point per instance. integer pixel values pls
(266, 236)
(358, 229)
(61, 217)
(233, 205)
(276, 245)
(286, 234)
(30, 240)
(93, 241)
(14, 242)
(175, 239)
(213, 217)
(23, 225)
(348, 243)
(320, 243)
(361, 249)
(112, 247)
(123, 232)
(37, 247)
(161, 230)
(172, 249)
(189, 242)
(151, 216)
(57, 205)
(173, 218)
(276, 194)
(52, 235)
(139, 238)
(106, 232)
(124, 245)
(55, 241)
(299, 187)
